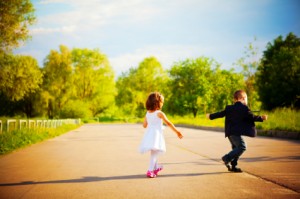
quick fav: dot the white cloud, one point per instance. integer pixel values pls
(88, 15)
(166, 55)
(41, 30)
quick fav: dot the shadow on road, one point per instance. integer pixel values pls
(267, 158)
(86, 179)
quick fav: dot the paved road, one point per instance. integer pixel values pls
(102, 161)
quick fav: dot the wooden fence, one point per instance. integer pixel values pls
(12, 124)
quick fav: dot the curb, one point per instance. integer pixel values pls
(262, 133)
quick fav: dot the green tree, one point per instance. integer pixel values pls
(249, 64)
(224, 84)
(19, 76)
(278, 76)
(58, 81)
(190, 85)
(93, 79)
(15, 17)
(135, 85)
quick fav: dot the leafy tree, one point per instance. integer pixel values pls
(15, 16)
(58, 80)
(278, 76)
(75, 109)
(190, 85)
(249, 64)
(224, 84)
(19, 76)
(135, 85)
(77, 74)
(93, 79)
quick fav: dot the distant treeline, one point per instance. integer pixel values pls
(80, 83)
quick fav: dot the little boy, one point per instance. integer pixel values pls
(239, 120)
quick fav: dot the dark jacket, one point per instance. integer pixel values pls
(239, 120)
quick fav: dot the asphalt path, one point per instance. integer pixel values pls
(102, 161)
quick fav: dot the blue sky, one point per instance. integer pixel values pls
(128, 31)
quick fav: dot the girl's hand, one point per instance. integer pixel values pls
(179, 135)
(207, 116)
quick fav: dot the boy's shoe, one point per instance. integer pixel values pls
(226, 163)
(236, 170)
(158, 170)
(150, 174)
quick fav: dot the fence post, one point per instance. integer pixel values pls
(31, 121)
(22, 121)
(11, 121)
(39, 122)
(45, 123)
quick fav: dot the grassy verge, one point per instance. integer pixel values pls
(280, 119)
(16, 139)
(112, 119)
(200, 120)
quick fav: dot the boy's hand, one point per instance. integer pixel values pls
(207, 116)
(179, 135)
(264, 117)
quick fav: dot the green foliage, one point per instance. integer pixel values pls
(200, 120)
(93, 79)
(190, 85)
(249, 65)
(277, 120)
(278, 76)
(16, 139)
(200, 86)
(225, 83)
(15, 17)
(75, 109)
(285, 119)
(135, 86)
(19, 76)
(58, 80)
(77, 74)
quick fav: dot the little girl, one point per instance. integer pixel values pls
(153, 140)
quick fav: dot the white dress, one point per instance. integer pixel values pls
(153, 138)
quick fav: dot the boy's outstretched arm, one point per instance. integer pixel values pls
(216, 115)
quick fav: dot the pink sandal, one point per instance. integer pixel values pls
(151, 174)
(158, 170)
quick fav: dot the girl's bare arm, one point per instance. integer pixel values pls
(169, 123)
(145, 123)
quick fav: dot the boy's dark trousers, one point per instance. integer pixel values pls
(238, 147)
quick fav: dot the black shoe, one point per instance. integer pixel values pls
(226, 163)
(236, 170)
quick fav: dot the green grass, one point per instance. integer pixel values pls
(16, 139)
(279, 119)
(112, 119)
(200, 120)
(283, 119)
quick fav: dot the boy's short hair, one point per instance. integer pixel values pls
(239, 94)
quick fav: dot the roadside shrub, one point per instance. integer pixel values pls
(76, 109)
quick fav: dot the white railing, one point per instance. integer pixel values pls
(12, 124)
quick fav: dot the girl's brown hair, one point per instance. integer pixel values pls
(154, 101)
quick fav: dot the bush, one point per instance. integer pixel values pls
(76, 109)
